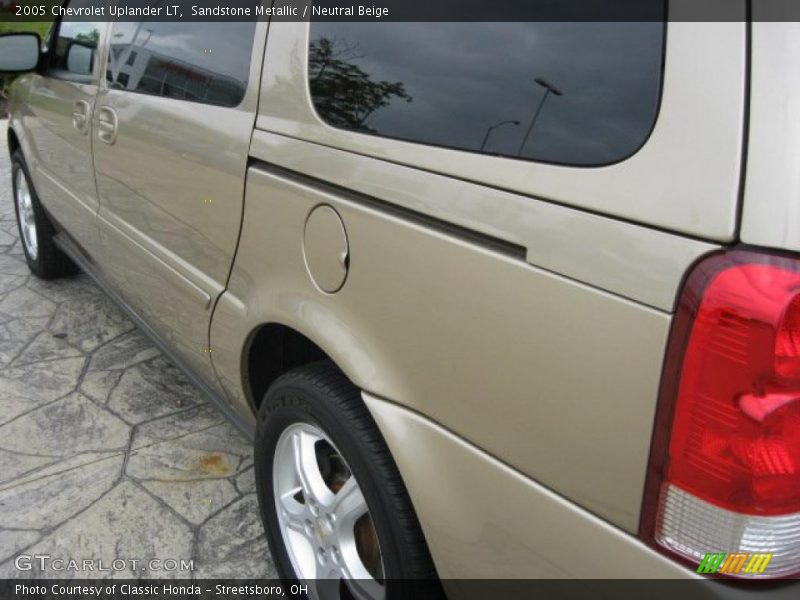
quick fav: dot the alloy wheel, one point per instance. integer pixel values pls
(26, 216)
(323, 516)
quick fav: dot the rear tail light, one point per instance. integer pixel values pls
(724, 472)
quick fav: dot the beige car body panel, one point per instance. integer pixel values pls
(771, 211)
(171, 189)
(479, 539)
(61, 156)
(640, 263)
(428, 320)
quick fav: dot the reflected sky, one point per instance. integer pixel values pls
(466, 77)
(86, 31)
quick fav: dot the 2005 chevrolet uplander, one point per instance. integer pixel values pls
(508, 300)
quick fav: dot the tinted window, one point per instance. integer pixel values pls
(569, 93)
(74, 50)
(199, 62)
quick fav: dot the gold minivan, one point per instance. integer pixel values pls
(494, 300)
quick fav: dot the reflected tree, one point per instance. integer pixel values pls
(89, 39)
(344, 94)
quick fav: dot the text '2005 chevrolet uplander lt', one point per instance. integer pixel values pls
(495, 300)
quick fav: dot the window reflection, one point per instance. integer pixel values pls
(198, 62)
(76, 47)
(570, 93)
(343, 93)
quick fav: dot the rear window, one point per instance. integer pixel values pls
(581, 94)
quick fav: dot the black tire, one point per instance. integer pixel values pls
(50, 262)
(321, 395)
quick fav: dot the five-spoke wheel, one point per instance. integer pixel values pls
(337, 515)
(324, 518)
(27, 219)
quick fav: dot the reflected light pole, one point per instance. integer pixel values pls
(490, 129)
(549, 88)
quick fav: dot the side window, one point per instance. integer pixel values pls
(197, 62)
(74, 48)
(579, 93)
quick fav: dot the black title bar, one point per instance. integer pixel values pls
(411, 10)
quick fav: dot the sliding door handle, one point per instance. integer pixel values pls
(80, 116)
(107, 125)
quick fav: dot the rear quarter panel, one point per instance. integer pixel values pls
(554, 377)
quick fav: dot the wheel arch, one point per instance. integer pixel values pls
(273, 349)
(277, 345)
(16, 139)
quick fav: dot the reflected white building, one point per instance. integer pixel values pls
(139, 69)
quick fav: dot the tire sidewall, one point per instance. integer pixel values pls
(293, 404)
(17, 165)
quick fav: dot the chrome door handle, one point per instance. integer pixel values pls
(80, 116)
(107, 125)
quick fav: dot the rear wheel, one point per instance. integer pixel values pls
(36, 231)
(337, 515)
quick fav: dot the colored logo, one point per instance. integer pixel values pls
(735, 563)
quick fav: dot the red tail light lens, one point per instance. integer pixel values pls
(736, 432)
(787, 344)
(729, 415)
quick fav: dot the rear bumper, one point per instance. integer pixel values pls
(484, 520)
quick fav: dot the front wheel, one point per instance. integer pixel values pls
(337, 515)
(36, 231)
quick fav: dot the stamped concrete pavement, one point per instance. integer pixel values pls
(106, 451)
